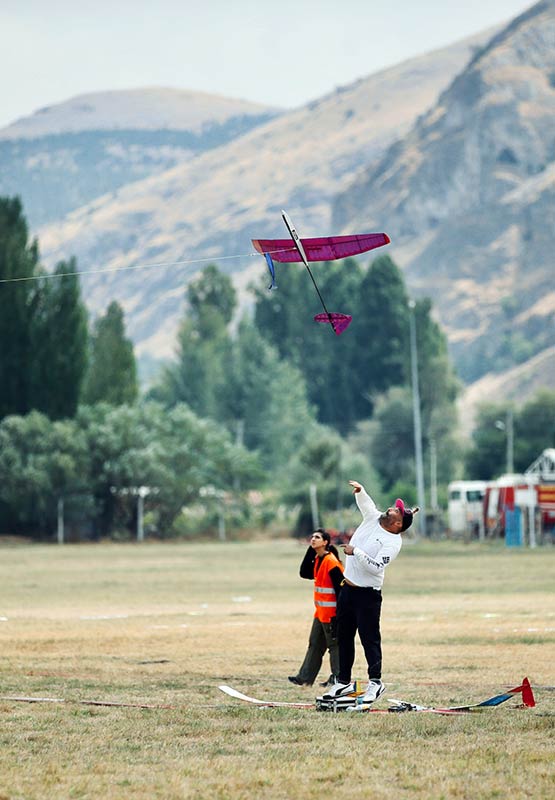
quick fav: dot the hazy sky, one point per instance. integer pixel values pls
(281, 53)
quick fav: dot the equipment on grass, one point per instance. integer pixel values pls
(325, 248)
(349, 702)
(263, 703)
(525, 690)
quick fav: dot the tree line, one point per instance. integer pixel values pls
(267, 400)
(50, 362)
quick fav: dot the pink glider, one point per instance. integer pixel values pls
(325, 248)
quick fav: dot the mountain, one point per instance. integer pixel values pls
(516, 385)
(63, 156)
(210, 206)
(469, 198)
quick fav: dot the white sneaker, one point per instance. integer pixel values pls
(339, 690)
(374, 689)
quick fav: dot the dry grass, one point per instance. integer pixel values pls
(165, 624)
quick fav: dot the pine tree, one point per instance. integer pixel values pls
(112, 372)
(18, 260)
(204, 347)
(59, 336)
(381, 334)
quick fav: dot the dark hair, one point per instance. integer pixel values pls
(408, 517)
(327, 538)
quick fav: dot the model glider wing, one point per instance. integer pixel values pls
(525, 690)
(325, 248)
(263, 703)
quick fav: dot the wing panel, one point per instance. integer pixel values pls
(325, 248)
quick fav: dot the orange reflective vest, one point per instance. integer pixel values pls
(324, 593)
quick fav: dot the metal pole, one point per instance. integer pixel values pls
(510, 442)
(314, 506)
(433, 474)
(60, 532)
(417, 422)
(239, 441)
(140, 513)
(221, 517)
(339, 492)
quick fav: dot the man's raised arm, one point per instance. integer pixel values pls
(363, 500)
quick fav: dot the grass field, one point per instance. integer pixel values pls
(166, 623)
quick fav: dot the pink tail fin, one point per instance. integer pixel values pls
(339, 322)
(527, 694)
(526, 691)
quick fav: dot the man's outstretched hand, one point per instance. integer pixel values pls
(356, 486)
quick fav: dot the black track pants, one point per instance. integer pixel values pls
(359, 609)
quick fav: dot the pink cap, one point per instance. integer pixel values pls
(400, 505)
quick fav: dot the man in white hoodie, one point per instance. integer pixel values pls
(374, 545)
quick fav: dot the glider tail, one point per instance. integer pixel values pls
(299, 245)
(524, 689)
(339, 322)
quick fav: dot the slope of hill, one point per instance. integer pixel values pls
(469, 198)
(211, 206)
(517, 386)
(64, 156)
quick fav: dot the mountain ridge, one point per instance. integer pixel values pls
(212, 205)
(146, 108)
(65, 156)
(469, 195)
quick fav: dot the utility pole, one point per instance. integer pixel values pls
(510, 442)
(142, 492)
(417, 422)
(314, 506)
(508, 427)
(60, 531)
(221, 518)
(239, 441)
(433, 473)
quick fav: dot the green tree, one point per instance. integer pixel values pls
(345, 374)
(325, 360)
(317, 463)
(381, 334)
(40, 461)
(18, 262)
(204, 346)
(265, 400)
(438, 388)
(212, 300)
(391, 442)
(112, 371)
(486, 458)
(174, 452)
(438, 383)
(59, 344)
(534, 429)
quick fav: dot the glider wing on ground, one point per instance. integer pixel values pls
(525, 690)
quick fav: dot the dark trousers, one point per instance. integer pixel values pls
(359, 609)
(322, 638)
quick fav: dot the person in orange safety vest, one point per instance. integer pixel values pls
(322, 565)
